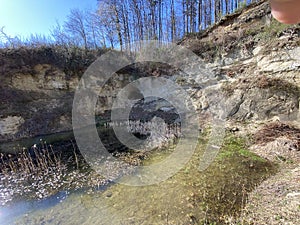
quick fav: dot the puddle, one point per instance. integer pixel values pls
(8, 214)
(188, 197)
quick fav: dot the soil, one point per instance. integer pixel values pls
(277, 199)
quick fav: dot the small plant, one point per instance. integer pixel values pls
(42, 171)
(236, 146)
(180, 80)
(242, 5)
(271, 31)
(270, 132)
(33, 160)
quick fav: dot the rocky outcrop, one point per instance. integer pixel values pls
(39, 103)
(37, 88)
(256, 60)
(252, 59)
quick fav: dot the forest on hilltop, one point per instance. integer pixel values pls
(117, 23)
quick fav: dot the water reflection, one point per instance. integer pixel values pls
(10, 213)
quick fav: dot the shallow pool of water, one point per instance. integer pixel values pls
(189, 197)
(8, 214)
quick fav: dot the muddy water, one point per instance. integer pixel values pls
(189, 197)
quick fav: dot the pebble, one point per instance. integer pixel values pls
(108, 195)
(293, 194)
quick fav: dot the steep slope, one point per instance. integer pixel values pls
(257, 62)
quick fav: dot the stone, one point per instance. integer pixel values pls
(293, 194)
(108, 195)
(10, 125)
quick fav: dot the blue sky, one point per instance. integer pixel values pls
(23, 17)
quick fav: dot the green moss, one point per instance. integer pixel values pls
(180, 80)
(205, 197)
(236, 147)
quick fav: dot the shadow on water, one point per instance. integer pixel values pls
(15, 146)
(60, 140)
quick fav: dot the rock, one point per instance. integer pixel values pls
(108, 195)
(293, 194)
(262, 77)
(204, 103)
(257, 50)
(10, 125)
(234, 129)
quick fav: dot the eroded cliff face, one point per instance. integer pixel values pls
(254, 59)
(36, 91)
(35, 102)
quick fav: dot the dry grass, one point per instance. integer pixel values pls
(277, 199)
(272, 131)
(30, 161)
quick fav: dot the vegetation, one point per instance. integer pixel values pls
(30, 161)
(272, 30)
(117, 23)
(237, 147)
(62, 167)
(42, 171)
(72, 61)
(190, 196)
(272, 131)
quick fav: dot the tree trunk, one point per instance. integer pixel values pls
(118, 25)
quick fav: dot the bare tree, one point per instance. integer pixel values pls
(200, 14)
(119, 22)
(227, 6)
(173, 21)
(218, 10)
(96, 29)
(59, 35)
(107, 22)
(76, 26)
(8, 41)
(138, 12)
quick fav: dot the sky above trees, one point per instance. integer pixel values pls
(26, 17)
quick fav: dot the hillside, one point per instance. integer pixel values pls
(254, 62)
